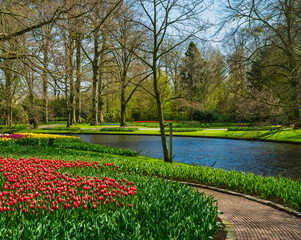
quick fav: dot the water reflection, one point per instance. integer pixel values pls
(258, 157)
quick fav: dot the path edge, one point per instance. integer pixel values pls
(265, 202)
(229, 228)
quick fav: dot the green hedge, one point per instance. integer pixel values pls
(186, 129)
(60, 128)
(76, 144)
(118, 129)
(253, 128)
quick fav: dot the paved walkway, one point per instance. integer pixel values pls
(254, 221)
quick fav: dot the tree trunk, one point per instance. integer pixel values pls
(101, 111)
(71, 81)
(123, 114)
(67, 102)
(155, 70)
(161, 117)
(78, 82)
(9, 114)
(8, 95)
(68, 116)
(100, 97)
(45, 81)
(32, 109)
(32, 113)
(94, 120)
(101, 74)
(123, 103)
(95, 79)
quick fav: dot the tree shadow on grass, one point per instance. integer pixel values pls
(287, 135)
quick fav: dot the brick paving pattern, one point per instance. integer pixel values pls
(256, 221)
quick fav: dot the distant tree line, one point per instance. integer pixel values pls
(115, 60)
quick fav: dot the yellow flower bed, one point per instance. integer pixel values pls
(5, 139)
(42, 136)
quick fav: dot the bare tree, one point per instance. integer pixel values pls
(98, 34)
(22, 11)
(275, 25)
(130, 72)
(19, 18)
(162, 19)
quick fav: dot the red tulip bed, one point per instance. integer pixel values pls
(36, 186)
(92, 199)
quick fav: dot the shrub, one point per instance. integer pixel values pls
(119, 129)
(246, 128)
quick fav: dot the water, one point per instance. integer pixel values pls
(258, 157)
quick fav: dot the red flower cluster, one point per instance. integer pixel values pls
(36, 185)
(13, 136)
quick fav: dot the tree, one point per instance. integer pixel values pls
(130, 72)
(19, 18)
(275, 24)
(99, 35)
(161, 19)
(29, 104)
(8, 10)
(193, 80)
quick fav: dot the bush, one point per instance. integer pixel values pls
(119, 129)
(60, 119)
(186, 129)
(80, 145)
(243, 128)
(61, 128)
(111, 117)
(205, 116)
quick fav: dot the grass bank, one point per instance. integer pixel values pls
(64, 193)
(277, 189)
(288, 136)
(275, 135)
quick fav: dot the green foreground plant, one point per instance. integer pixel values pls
(160, 210)
(278, 189)
(76, 144)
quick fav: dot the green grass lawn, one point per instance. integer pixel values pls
(292, 135)
(287, 135)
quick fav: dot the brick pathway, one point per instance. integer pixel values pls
(253, 220)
